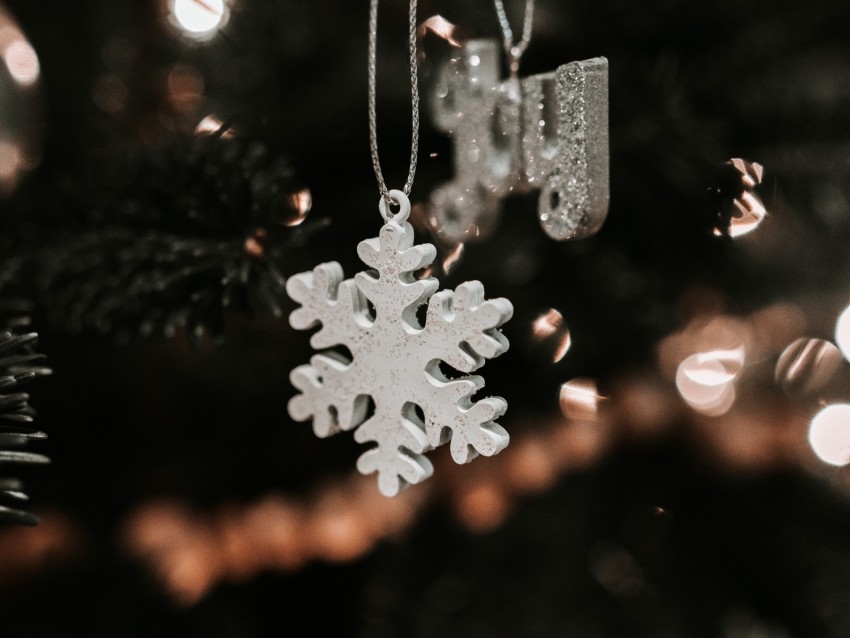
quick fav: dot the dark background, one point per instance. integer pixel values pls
(760, 552)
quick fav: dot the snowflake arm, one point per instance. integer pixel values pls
(462, 329)
(395, 259)
(330, 395)
(452, 415)
(338, 305)
(331, 392)
(398, 457)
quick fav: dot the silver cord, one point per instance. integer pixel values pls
(515, 51)
(414, 95)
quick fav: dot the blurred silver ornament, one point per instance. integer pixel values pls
(547, 131)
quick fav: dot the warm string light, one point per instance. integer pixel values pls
(579, 400)
(11, 159)
(705, 380)
(17, 53)
(749, 210)
(829, 429)
(18, 152)
(22, 62)
(442, 29)
(199, 19)
(549, 332)
(712, 354)
(829, 434)
(842, 332)
(212, 124)
(345, 519)
(192, 552)
(56, 540)
(807, 366)
(300, 203)
(707, 357)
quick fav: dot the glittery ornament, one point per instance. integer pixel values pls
(547, 131)
(465, 106)
(393, 388)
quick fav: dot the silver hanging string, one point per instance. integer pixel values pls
(414, 95)
(515, 51)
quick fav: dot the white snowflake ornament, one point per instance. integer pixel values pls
(393, 389)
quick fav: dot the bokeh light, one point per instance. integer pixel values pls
(829, 434)
(299, 203)
(807, 365)
(482, 507)
(579, 400)
(452, 257)
(749, 211)
(21, 106)
(749, 214)
(10, 161)
(842, 333)
(199, 19)
(212, 124)
(550, 332)
(441, 28)
(22, 62)
(705, 380)
(185, 87)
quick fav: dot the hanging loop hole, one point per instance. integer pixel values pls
(398, 198)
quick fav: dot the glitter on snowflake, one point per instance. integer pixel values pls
(393, 388)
